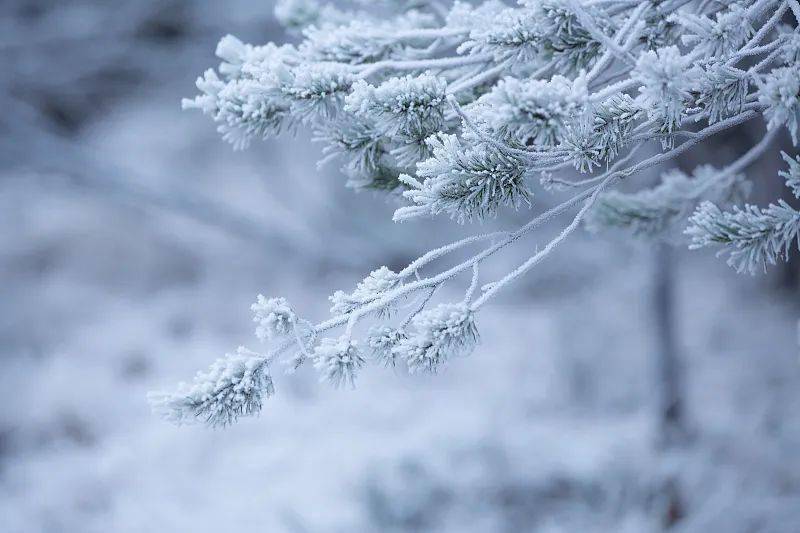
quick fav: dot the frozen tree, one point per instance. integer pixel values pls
(458, 109)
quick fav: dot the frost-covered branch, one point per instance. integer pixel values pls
(753, 237)
(458, 111)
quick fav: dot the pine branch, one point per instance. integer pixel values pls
(458, 107)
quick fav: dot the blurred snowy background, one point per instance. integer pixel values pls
(133, 240)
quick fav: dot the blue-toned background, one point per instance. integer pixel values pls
(133, 240)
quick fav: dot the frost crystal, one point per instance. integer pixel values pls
(436, 336)
(274, 317)
(512, 33)
(372, 287)
(599, 133)
(780, 93)
(250, 103)
(245, 60)
(613, 121)
(360, 41)
(410, 107)
(722, 91)
(464, 182)
(233, 386)
(792, 175)
(338, 360)
(720, 36)
(317, 90)
(754, 237)
(360, 143)
(382, 341)
(666, 87)
(565, 39)
(531, 111)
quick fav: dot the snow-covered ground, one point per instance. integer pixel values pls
(113, 283)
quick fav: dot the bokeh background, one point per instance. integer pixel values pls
(133, 240)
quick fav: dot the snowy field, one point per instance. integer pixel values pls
(133, 241)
